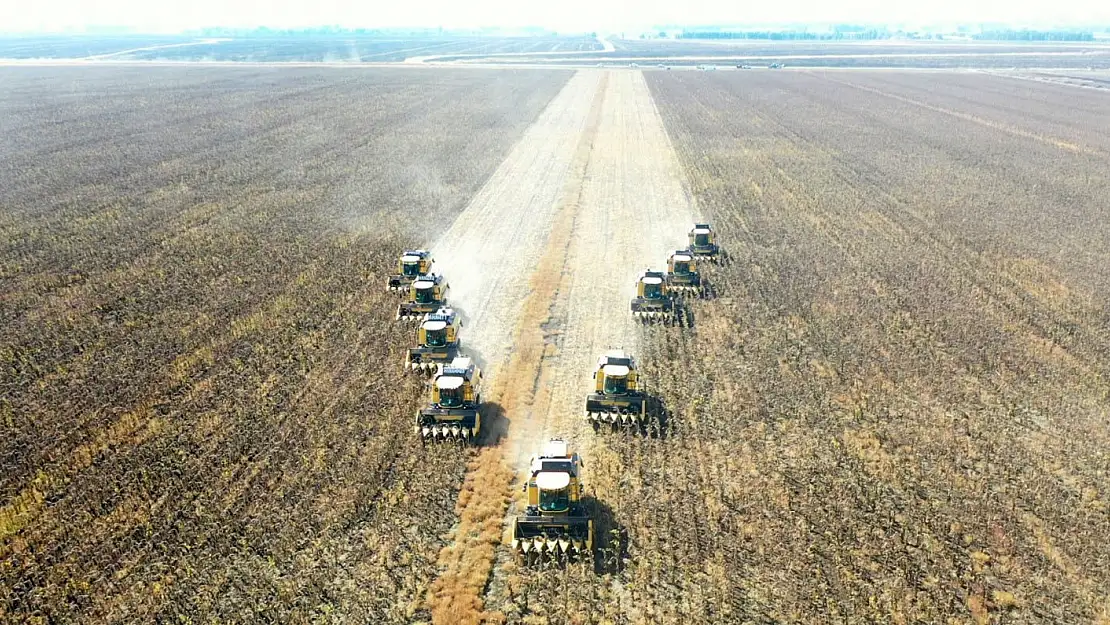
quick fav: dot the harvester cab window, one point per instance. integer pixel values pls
(681, 266)
(554, 500)
(436, 338)
(701, 238)
(411, 269)
(615, 385)
(554, 490)
(653, 291)
(451, 397)
(425, 295)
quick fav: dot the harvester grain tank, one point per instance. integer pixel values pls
(556, 523)
(452, 412)
(617, 398)
(437, 341)
(410, 265)
(653, 302)
(427, 293)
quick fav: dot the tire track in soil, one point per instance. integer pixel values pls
(633, 210)
(623, 208)
(1067, 146)
(504, 287)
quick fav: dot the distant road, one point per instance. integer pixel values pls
(606, 46)
(199, 42)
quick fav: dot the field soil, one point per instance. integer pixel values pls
(202, 410)
(892, 410)
(897, 408)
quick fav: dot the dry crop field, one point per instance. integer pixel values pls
(278, 48)
(893, 411)
(202, 413)
(859, 54)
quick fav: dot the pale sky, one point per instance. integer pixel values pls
(176, 15)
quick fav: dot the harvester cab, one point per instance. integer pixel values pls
(682, 273)
(427, 293)
(452, 412)
(703, 243)
(653, 301)
(410, 265)
(556, 524)
(617, 398)
(437, 341)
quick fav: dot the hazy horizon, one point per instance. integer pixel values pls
(61, 16)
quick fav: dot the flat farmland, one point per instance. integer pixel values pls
(893, 409)
(870, 54)
(202, 410)
(278, 49)
(898, 405)
(63, 47)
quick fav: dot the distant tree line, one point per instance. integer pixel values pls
(1034, 35)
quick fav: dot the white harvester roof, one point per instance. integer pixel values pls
(552, 481)
(409, 258)
(448, 382)
(701, 231)
(434, 326)
(424, 284)
(615, 371)
(683, 258)
(651, 280)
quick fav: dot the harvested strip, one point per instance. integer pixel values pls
(456, 596)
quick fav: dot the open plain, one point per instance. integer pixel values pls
(894, 409)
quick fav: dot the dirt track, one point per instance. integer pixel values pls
(492, 249)
(633, 211)
(544, 279)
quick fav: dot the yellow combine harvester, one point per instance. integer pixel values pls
(617, 398)
(410, 265)
(437, 341)
(682, 273)
(703, 243)
(427, 293)
(653, 302)
(453, 410)
(556, 524)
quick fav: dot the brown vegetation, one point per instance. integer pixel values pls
(893, 411)
(203, 412)
(897, 407)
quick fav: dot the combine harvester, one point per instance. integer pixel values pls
(703, 244)
(427, 293)
(556, 524)
(437, 341)
(410, 265)
(682, 274)
(617, 398)
(452, 413)
(653, 302)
